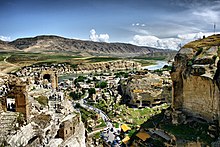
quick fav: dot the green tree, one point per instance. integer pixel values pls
(102, 85)
(75, 95)
(91, 91)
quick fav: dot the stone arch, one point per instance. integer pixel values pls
(18, 92)
(47, 77)
(51, 76)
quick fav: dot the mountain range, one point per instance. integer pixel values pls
(51, 43)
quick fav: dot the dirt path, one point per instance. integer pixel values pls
(7, 66)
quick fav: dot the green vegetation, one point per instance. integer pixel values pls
(131, 133)
(121, 74)
(101, 59)
(187, 132)
(42, 58)
(97, 135)
(80, 79)
(145, 62)
(151, 58)
(20, 119)
(199, 51)
(43, 100)
(85, 115)
(102, 84)
(91, 91)
(102, 124)
(3, 55)
(75, 95)
(165, 68)
(191, 131)
(210, 41)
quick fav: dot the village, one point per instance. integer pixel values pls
(38, 100)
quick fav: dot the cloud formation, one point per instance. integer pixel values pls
(167, 43)
(5, 38)
(98, 38)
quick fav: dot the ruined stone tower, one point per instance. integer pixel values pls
(21, 100)
(51, 77)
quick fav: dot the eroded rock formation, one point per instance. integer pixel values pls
(196, 77)
(148, 89)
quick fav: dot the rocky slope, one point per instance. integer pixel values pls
(5, 46)
(196, 78)
(56, 43)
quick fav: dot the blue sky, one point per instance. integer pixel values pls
(121, 20)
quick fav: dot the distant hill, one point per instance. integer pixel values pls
(60, 44)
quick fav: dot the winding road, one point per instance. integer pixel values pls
(8, 66)
(110, 133)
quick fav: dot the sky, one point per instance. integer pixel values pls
(157, 23)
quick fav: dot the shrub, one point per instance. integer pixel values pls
(43, 100)
(91, 91)
(101, 85)
(199, 51)
(75, 95)
(214, 58)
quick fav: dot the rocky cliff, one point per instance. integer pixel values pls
(196, 78)
(147, 89)
(61, 44)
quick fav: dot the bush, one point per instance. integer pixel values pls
(214, 58)
(43, 100)
(199, 51)
(101, 85)
(91, 91)
(75, 95)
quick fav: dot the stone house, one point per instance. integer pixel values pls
(67, 126)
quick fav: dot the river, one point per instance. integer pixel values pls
(158, 65)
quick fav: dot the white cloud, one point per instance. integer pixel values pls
(98, 38)
(209, 16)
(138, 24)
(153, 41)
(5, 38)
(168, 43)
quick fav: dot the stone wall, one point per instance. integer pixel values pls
(68, 126)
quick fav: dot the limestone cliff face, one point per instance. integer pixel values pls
(149, 89)
(196, 76)
(112, 65)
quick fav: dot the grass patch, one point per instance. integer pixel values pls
(184, 131)
(213, 40)
(145, 62)
(151, 58)
(43, 100)
(102, 124)
(101, 59)
(97, 135)
(41, 58)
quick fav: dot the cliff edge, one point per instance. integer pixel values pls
(196, 78)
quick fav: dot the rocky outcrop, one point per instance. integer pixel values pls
(112, 65)
(147, 90)
(5, 46)
(196, 76)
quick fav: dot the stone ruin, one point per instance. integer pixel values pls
(16, 97)
(51, 77)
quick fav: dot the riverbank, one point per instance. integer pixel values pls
(158, 65)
